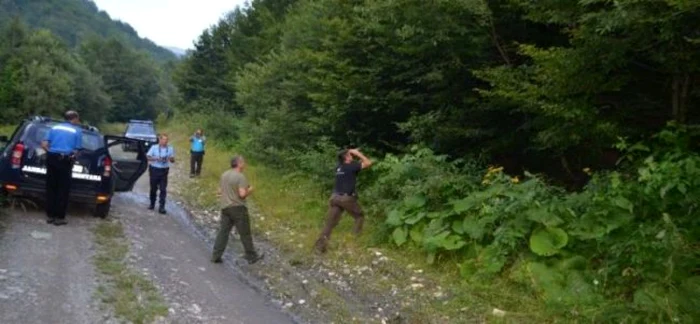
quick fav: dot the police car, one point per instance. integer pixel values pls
(102, 166)
(141, 130)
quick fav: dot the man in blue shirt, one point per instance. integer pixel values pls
(197, 143)
(160, 157)
(61, 143)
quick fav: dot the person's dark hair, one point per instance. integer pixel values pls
(341, 156)
(235, 161)
(71, 115)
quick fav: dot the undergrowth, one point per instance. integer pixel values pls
(623, 249)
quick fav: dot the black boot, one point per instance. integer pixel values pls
(161, 209)
(254, 257)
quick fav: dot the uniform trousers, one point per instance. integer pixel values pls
(59, 169)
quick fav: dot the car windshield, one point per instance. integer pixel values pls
(142, 129)
(35, 133)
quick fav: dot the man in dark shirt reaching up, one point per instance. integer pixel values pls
(344, 197)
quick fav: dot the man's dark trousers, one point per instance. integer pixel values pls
(336, 205)
(59, 169)
(234, 216)
(159, 181)
(196, 162)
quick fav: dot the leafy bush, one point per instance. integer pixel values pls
(629, 237)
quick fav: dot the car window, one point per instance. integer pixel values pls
(35, 133)
(140, 129)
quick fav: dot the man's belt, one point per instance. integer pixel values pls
(62, 155)
(344, 194)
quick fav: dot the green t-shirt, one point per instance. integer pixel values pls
(231, 180)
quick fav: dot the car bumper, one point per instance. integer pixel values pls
(39, 192)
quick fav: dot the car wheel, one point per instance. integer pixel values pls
(102, 210)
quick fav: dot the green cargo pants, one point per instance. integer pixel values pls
(234, 216)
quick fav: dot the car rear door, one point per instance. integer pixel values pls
(127, 166)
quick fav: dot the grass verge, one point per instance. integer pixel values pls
(294, 211)
(133, 297)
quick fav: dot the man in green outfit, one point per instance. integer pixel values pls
(233, 190)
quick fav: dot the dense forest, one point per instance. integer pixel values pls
(77, 20)
(104, 79)
(586, 112)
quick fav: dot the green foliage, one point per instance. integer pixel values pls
(627, 237)
(40, 75)
(74, 21)
(130, 78)
(545, 86)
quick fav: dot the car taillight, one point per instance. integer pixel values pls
(108, 167)
(17, 153)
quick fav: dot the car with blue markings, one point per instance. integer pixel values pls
(141, 130)
(101, 168)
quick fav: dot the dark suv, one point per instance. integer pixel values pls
(141, 130)
(101, 168)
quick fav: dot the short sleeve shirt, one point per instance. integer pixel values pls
(162, 154)
(346, 177)
(198, 143)
(64, 138)
(231, 181)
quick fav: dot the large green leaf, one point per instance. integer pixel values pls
(461, 205)
(457, 227)
(473, 228)
(548, 241)
(394, 218)
(415, 218)
(416, 233)
(544, 217)
(453, 242)
(414, 202)
(400, 235)
(623, 203)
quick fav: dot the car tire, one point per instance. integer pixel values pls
(102, 210)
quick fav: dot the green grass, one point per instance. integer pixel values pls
(112, 128)
(294, 212)
(7, 129)
(133, 297)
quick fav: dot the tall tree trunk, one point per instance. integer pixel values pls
(679, 96)
(683, 109)
(675, 97)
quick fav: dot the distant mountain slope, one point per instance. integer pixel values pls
(75, 20)
(178, 51)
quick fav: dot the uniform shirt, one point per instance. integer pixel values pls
(231, 180)
(197, 143)
(64, 138)
(346, 177)
(162, 154)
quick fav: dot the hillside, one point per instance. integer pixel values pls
(76, 20)
(179, 52)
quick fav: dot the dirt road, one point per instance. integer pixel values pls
(47, 273)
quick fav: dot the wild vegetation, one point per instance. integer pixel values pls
(74, 21)
(103, 79)
(550, 145)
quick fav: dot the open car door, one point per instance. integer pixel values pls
(127, 165)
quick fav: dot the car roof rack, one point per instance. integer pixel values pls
(46, 119)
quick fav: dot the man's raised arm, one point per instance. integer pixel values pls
(366, 162)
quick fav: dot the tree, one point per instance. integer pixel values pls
(130, 79)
